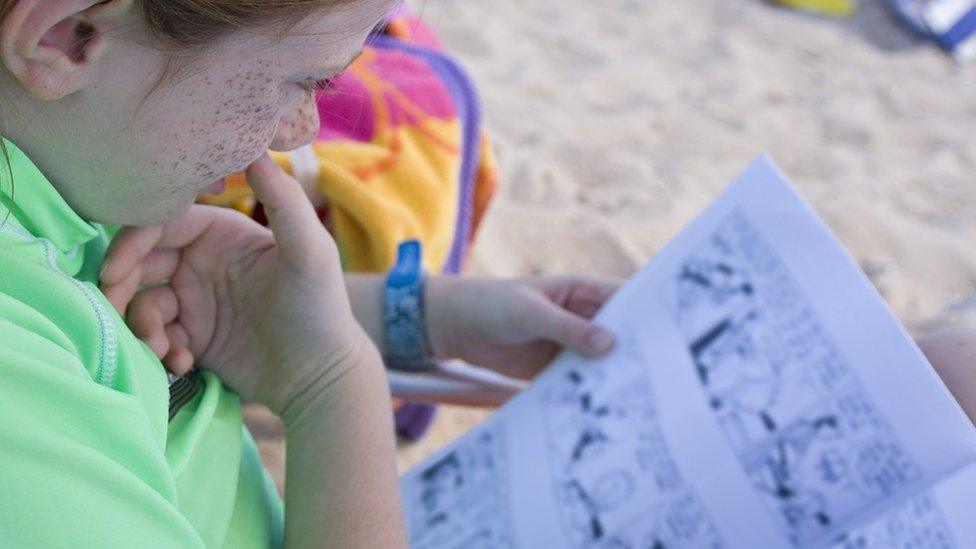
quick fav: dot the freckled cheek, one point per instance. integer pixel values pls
(250, 138)
(298, 127)
(245, 123)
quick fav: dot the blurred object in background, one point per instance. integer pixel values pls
(950, 23)
(827, 7)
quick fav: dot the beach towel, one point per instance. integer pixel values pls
(401, 154)
(950, 23)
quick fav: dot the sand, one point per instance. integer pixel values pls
(617, 121)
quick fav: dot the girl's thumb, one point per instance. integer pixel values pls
(571, 331)
(291, 217)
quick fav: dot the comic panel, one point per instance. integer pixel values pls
(614, 479)
(461, 500)
(791, 407)
(918, 524)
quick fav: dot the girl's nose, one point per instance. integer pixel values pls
(298, 126)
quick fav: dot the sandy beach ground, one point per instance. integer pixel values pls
(617, 121)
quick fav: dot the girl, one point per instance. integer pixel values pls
(119, 112)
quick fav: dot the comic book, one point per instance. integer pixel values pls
(760, 395)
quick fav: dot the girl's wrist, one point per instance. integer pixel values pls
(322, 380)
(439, 315)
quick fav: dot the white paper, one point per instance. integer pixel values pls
(939, 518)
(760, 395)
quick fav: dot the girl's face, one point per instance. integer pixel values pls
(141, 138)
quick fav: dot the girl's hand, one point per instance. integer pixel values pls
(266, 310)
(516, 327)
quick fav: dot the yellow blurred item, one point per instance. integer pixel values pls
(827, 7)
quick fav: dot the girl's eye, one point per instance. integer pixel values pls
(319, 85)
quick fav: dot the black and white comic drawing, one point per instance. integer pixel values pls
(759, 394)
(791, 407)
(461, 499)
(918, 524)
(615, 481)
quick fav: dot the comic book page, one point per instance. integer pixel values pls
(760, 395)
(937, 518)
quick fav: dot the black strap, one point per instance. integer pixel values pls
(182, 390)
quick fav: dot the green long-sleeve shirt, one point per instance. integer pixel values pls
(88, 455)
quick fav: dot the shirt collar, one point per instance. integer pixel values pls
(37, 206)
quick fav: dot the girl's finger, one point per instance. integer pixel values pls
(160, 265)
(588, 295)
(585, 310)
(149, 313)
(158, 343)
(547, 320)
(291, 217)
(179, 361)
(132, 244)
(121, 293)
(177, 335)
(127, 250)
(156, 302)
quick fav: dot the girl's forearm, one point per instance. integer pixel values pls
(366, 296)
(340, 476)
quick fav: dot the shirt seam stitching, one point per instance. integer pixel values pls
(108, 341)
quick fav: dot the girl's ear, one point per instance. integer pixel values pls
(51, 46)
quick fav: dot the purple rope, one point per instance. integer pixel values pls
(468, 105)
(413, 420)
